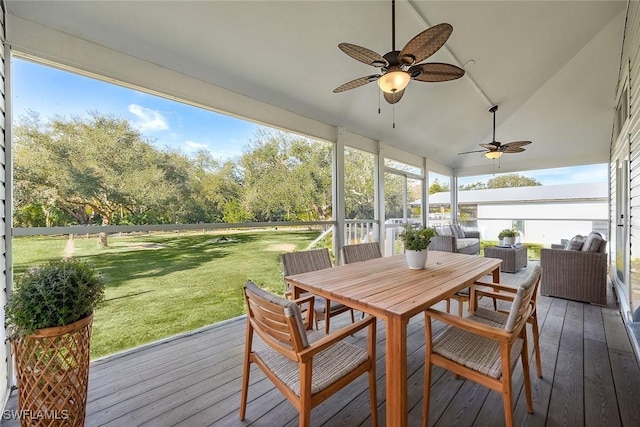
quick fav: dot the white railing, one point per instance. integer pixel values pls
(360, 231)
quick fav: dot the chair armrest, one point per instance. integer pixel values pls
(303, 300)
(495, 295)
(336, 336)
(497, 334)
(444, 243)
(496, 286)
(472, 234)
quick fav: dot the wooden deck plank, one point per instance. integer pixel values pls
(194, 380)
(600, 406)
(567, 403)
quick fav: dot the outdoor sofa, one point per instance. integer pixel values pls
(453, 238)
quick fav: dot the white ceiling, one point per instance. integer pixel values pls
(552, 66)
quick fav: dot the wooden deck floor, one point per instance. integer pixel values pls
(590, 377)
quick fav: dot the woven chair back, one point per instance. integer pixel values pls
(361, 252)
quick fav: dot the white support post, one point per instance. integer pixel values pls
(424, 194)
(379, 196)
(454, 198)
(338, 196)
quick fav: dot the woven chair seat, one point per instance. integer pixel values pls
(490, 317)
(328, 366)
(475, 351)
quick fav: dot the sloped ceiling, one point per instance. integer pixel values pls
(551, 66)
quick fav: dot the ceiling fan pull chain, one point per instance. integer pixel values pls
(379, 95)
(393, 112)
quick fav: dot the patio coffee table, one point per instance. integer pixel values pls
(513, 259)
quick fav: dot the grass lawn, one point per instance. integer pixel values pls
(160, 285)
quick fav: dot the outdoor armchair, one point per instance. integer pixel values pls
(483, 347)
(579, 275)
(305, 365)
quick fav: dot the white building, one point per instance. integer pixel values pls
(543, 214)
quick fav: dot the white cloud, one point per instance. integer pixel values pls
(192, 145)
(148, 119)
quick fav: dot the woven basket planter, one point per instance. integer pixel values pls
(53, 374)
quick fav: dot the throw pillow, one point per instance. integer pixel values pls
(458, 231)
(575, 244)
(593, 242)
(445, 230)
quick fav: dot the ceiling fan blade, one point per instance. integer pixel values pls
(516, 144)
(356, 83)
(511, 149)
(435, 72)
(475, 151)
(490, 147)
(392, 98)
(425, 44)
(363, 54)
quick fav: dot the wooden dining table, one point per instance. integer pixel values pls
(388, 289)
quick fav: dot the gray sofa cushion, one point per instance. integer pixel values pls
(575, 244)
(465, 243)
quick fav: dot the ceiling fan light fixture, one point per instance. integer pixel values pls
(493, 155)
(394, 81)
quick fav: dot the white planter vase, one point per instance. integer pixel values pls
(508, 241)
(416, 260)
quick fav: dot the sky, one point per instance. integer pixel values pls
(166, 123)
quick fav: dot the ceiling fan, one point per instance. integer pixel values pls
(399, 67)
(494, 149)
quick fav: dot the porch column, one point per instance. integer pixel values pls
(424, 193)
(454, 198)
(379, 197)
(338, 196)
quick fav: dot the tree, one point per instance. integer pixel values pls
(436, 187)
(286, 177)
(512, 180)
(474, 186)
(95, 169)
(359, 185)
(503, 181)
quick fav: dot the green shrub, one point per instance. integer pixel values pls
(55, 294)
(416, 239)
(508, 232)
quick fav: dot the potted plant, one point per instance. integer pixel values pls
(508, 237)
(49, 317)
(416, 243)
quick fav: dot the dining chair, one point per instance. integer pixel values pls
(484, 347)
(307, 366)
(464, 296)
(361, 252)
(305, 262)
(460, 297)
(507, 293)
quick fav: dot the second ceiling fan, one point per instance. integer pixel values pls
(398, 68)
(495, 149)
